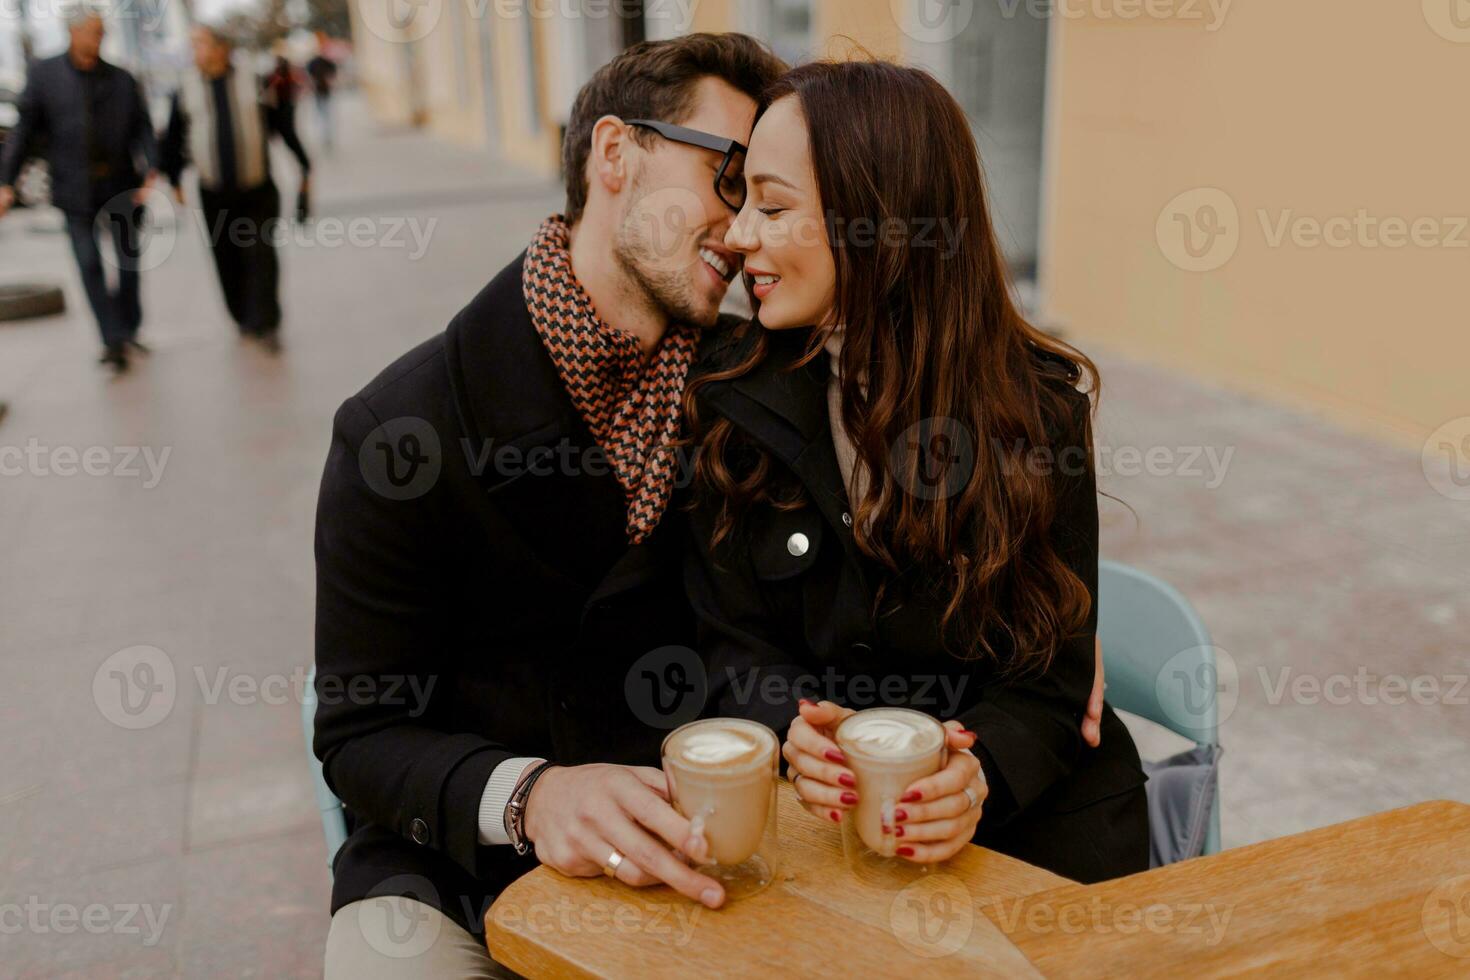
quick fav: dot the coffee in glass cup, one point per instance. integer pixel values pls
(888, 750)
(722, 778)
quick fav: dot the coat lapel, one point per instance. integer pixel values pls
(513, 408)
(786, 411)
(525, 443)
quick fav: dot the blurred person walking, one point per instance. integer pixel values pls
(101, 152)
(222, 121)
(323, 73)
(282, 86)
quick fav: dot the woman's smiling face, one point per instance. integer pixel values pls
(780, 231)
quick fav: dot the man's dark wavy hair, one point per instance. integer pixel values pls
(656, 80)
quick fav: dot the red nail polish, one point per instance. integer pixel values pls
(900, 815)
(897, 831)
(805, 701)
(846, 779)
(849, 798)
(913, 796)
(907, 852)
(834, 756)
(836, 817)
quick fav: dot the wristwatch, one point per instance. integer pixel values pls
(515, 809)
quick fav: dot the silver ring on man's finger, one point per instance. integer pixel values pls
(974, 798)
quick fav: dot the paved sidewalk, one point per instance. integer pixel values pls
(1316, 551)
(206, 816)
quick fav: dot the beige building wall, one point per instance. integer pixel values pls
(382, 69)
(453, 93)
(714, 16)
(431, 71)
(1299, 115)
(870, 23)
(528, 134)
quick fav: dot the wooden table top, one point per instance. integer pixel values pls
(814, 919)
(1386, 894)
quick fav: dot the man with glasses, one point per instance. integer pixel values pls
(493, 543)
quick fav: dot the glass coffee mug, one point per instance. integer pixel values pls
(888, 750)
(722, 779)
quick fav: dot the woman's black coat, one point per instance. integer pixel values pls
(785, 610)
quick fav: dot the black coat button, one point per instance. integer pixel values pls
(419, 830)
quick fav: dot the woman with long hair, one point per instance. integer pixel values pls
(894, 499)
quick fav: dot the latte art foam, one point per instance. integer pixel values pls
(721, 744)
(882, 734)
(714, 746)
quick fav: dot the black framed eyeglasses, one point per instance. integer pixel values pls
(730, 177)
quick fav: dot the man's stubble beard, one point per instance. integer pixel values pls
(669, 291)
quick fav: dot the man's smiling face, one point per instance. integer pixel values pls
(670, 239)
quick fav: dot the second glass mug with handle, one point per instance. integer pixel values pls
(888, 750)
(722, 776)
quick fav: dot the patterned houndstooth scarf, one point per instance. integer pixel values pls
(633, 409)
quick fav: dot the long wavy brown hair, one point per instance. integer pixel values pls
(933, 344)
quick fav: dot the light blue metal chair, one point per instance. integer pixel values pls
(334, 817)
(1160, 664)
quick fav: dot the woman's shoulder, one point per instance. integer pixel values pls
(721, 346)
(733, 340)
(1066, 408)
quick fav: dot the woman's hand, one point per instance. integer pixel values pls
(937, 817)
(817, 767)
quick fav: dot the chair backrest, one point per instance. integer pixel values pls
(334, 817)
(1159, 661)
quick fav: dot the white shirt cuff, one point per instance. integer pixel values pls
(497, 794)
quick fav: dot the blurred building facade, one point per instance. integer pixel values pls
(1156, 169)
